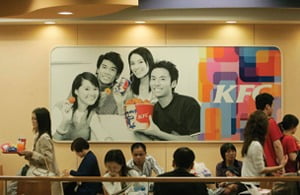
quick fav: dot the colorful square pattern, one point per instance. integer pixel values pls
(229, 80)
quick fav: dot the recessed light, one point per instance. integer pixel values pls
(49, 22)
(231, 22)
(140, 22)
(65, 13)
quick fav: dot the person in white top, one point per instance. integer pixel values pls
(252, 150)
(143, 163)
(115, 163)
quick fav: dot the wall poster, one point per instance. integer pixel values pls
(176, 93)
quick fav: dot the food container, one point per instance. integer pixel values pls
(137, 115)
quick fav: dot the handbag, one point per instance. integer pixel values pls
(43, 172)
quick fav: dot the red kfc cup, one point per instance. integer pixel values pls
(143, 111)
(137, 115)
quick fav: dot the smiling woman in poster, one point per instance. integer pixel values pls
(74, 117)
(141, 63)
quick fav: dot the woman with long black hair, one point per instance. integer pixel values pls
(43, 154)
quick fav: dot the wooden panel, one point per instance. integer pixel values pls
(209, 34)
(24, 73)
(57, 34)
(121, 35)
(34, 188)
(65, 158)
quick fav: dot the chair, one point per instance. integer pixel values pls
(34, 188)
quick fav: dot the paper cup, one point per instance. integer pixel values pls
(137, 115)
(122, 86)
(21, 144)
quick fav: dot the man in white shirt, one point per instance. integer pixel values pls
(143, 163)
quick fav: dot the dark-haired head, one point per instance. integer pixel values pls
(109, 68)
(79, 144)
(225, 148)
(262, 100)
(118, 157)
(255, 130)
(43, 121)
(149, 61)
(183, 158)
(138, 145)
(114, 58)
(77, 83)
(289, 122)
(171, 68)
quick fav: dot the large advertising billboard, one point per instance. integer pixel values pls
(176, 93)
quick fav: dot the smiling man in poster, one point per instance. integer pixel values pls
(176, 117)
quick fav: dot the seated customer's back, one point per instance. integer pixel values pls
(183, 160)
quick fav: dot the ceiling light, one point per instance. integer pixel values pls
(231, 22)
(49, 22)
(140, 22)
(65, 13)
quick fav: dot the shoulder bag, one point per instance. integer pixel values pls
(42, 172)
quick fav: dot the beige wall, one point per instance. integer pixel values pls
(24, 74)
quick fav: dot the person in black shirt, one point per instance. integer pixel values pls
(176, 117)
(183, 162)
(230, 166)
(88, 167)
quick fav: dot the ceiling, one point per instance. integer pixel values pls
(127, 11)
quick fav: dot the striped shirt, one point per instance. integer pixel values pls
(149, 165)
